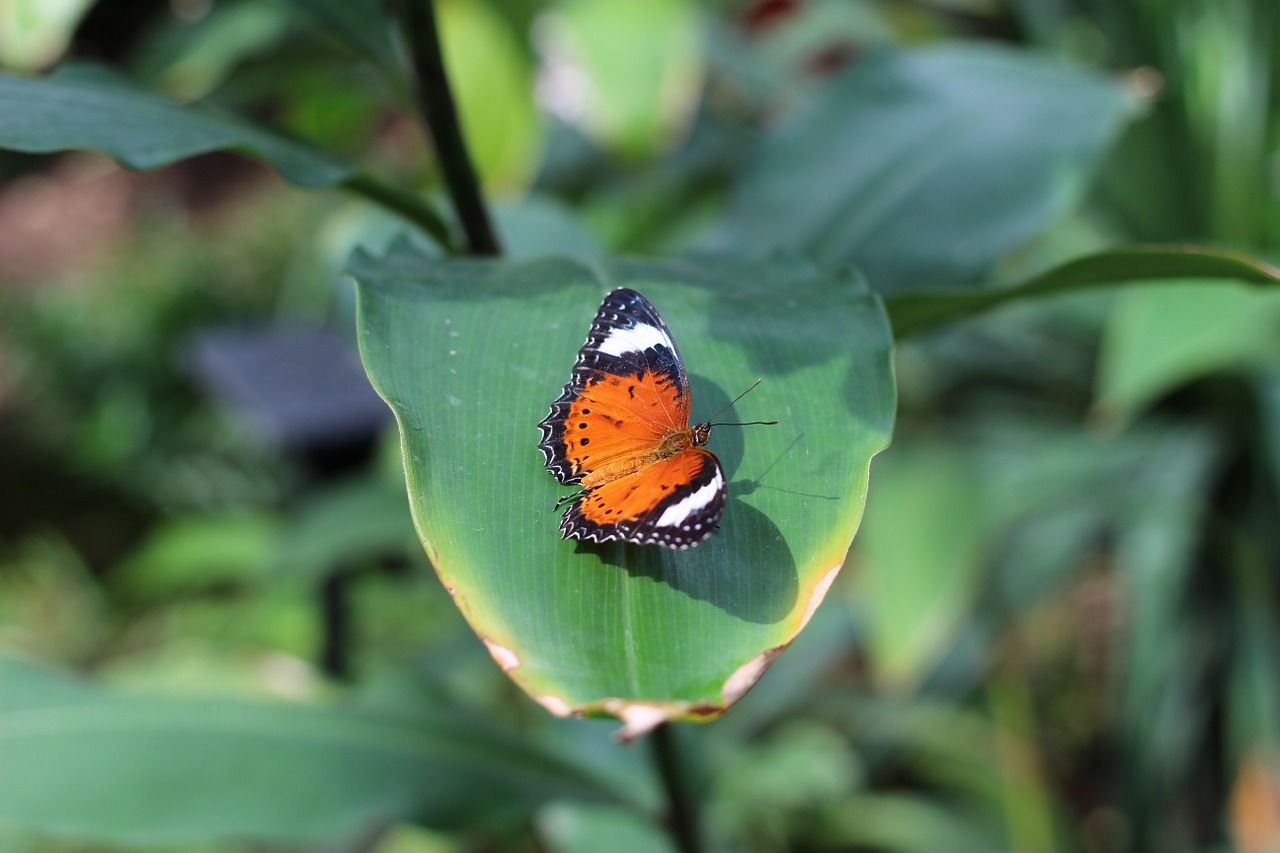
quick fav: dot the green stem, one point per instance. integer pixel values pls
(682, 810)
(407, 205)
(435, 102)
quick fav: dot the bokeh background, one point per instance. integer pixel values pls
(1059, 625)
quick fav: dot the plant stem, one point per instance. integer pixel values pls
(335, 607)
(435, 102)
(407, 205)
(682, 810)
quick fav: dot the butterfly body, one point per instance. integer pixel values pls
(620, 430)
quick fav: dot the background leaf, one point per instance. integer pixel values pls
(91, 108)
(914, 591)
(915, 312)
(86, 107)
(924, 168)
(492, 76)
(186, 769)
(360, 26)
(627, 71)
(1161, 337)
(470, 355)
(33, 33)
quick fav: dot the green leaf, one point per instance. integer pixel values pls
(1161, 716)
(1161, 337)
(914, 590)
(196, 552)
(912, 313)
(492, 80)
(359, 25)
(581, 828)
(924, 168)
(149, 770)
(640, 67)
(88, 107)
(188, 59)
(91, 108)
(345, 523)
(470, 355)
(34, 33)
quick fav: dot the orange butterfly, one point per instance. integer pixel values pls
(621, 430)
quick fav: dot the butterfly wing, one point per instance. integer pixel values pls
(675, 502)
(628, 392)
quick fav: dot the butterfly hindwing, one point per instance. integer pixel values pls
(676, 502)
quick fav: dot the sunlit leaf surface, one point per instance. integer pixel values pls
(470, 354)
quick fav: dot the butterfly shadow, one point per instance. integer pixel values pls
(746, 486)
(745, 568)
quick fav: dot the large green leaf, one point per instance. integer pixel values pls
(925, 167)
(920, 311)
(145, 769)
(470, 355)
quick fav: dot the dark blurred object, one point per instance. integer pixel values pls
(40, 493)
(304, 389)
(112, 28)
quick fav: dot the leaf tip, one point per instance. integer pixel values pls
(638, 718)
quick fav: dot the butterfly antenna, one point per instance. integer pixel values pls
(736, 399)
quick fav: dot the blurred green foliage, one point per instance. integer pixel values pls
(1058, 629)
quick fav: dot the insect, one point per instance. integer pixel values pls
(620, 430)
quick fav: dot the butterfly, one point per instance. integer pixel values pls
(620, 430)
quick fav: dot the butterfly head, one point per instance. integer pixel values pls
(700, 433)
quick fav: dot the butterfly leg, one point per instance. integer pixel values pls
(569, 498)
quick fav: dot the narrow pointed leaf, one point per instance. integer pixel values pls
(90, 108)
(470, 355)
(86, 107)
(920, 311)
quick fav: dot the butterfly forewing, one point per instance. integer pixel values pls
(620, 429)
(628, 372)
